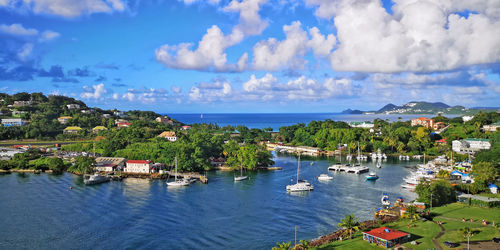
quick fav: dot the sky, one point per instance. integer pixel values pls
(251, 56)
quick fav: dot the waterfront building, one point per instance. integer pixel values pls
(64, 119)
(14, 122)
(138, 166)
(361, 124)
(470, 145)
(72, 130)
(169, 135)
(109, 164)
(386, 237)
(96, 129)
(491, 127)
(422, 121)
(73, 106)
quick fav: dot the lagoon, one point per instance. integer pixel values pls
(39, 211)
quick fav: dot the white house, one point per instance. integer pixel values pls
(467, 118)
(491, 127)
(169, 135)
(13, 122)
(138, 166)
(109, 164)
(493, 188)
(470, 145)
(73, 106)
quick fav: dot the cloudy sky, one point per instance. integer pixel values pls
(192, 56)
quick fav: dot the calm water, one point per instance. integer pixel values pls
(39, 211)
(275, 121)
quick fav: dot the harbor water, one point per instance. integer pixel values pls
(40, 211)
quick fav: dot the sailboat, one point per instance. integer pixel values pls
(241, 177)
(178, 183)
(379, 165)
(301, 185)
(349, 156)
(360, 156)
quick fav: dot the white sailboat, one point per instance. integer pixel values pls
(379, 165)
(301, 185)
(361, 157)
(178, 183)
(241, 177)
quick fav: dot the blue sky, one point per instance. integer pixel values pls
(201, 56)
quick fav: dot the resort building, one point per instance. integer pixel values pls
(64, 119)
(386, 237)
(467, 118)
(491, 127)
(73, 106)
(185, 127)
(138, 166)
(72, 130)
(109, 164)
(164, 119)
(96, 129)
(14, 122)
(422, 121)
(361, 124)
(169, 135)
(470, 145)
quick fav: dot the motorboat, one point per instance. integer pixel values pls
(410, 187)
(176, 182)
(371, 176)
(324, 177)
(301, 185)
(385, 200)
(96, 179)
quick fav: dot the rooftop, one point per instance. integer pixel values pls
(73, 128)
(386, 233)
(139, 161)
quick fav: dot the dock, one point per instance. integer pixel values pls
(348, 169)
(203, 179)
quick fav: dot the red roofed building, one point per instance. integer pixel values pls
(422, 121)
(386, 237)
(442, 141)
(138, 166)
(123, 124)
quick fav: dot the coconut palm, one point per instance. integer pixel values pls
(304, 244)
(466, 233)
(282, 246)
(350, 223)
(411, 213)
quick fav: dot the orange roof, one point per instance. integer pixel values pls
(167, 134)
(386, 233)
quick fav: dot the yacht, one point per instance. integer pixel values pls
(324, 177)
(96, 179)
(385, 200)
(241, 177)
(371, 176)
(335, 166)
(178, 183)
(301, 185)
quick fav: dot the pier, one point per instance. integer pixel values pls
(348, 169)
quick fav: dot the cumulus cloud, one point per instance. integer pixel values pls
(144, 95)
(420, 36)
(209, 1)
(219, 90)
(25, 52)
(210, 53)
(48, 35)
(18, 30)
(272, 54)
(65, 8)
(95, 92)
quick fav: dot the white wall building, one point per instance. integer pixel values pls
(470, 145)
(138, 166)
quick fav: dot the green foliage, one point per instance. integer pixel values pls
(252, 156)
(441, 190)
(82, 165)
(282, 246)
(350, 223)
(411, 213)
(55, 164)
(484, 173)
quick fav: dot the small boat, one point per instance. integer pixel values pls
(324, 177)
(410, 187)
(312, 163)
(385, 200)
(96, 179)
(379, 165)
(178, 183)
(241, 177)
(301, 185)
(371, 177)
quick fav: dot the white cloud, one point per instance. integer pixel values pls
(48, 35)
(214, 2)
(18, 30)
(420, 36)
(219, 90)
(176, 89)
(95, 92)
(65, 8)
(25, 52)
(210, 53)
(469, 90)
(144, 95)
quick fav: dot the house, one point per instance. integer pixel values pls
(169, 135)
(438, 125)
(73, 106)
(96, 129)
(72, 130)
(361, 124)
(164, 119)
(493, 188)
(120, 121)
(14, 122)
(467, 118)
(217, 162)
(442, 141)
(185, 127)
(119, 113)
(106, 115)
(64, 119)
(22, 103)
(386, 237)
(17, 113)
(109, 164)
(470, 145)
(422, 121)
(491, 127)
(86, 111)
(123, 125)
(138, 166)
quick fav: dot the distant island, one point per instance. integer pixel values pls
(416, 107)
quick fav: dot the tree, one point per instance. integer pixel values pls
(82, 165)
(350, 224)
(440, 191)
(411, 213)
(304, 244)
(282, 246)
(466, 233)
(484, 173)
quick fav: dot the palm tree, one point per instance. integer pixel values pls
(411, 212)
(282, 246)
(350, 223)
(304, 244)
(466, 233)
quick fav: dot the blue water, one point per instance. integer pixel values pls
(39, 211)
(275, 121)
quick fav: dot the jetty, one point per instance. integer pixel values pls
(349, 169)
(303, 150)
(203, 179)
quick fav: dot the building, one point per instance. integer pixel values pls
(22, 103)
(164, 119)
(64, 119)
(185, 127)
(109, 164)
(169, 135)
(96, 129)
(119, 113)
(123, 124)
(14, 122)
(491, 127)
(386, 237)
(422, 121)
(442, 141)
(72, 130)
(438, 125)
(106, 115)
(138, 166)
(73, 106)
(361, 124)
(493, 188)
(470, 145)
(467, 118)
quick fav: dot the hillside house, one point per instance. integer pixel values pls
(470, 145)
(438, 125)
(123, 124)
(185, 127)
(22, 103)
(169, 135)
(72, 130)
(138, 166)
(96, 129)
(14, 122)
(64, 119)
(73, 106)
(422, 121)
(491, 127)
(164, 119)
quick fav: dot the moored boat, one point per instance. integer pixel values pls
(96, 179)
(325, 177)
(371, 176)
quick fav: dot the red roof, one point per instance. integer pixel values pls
(389, 234)
(124, 124)
(442, 140)
(139, 161)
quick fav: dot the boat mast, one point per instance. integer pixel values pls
(241, 166)
(298, 169)
(359, 154)
(175, 169)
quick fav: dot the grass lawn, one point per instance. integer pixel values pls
(421, 231)
(356, 243)
(460, 210)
